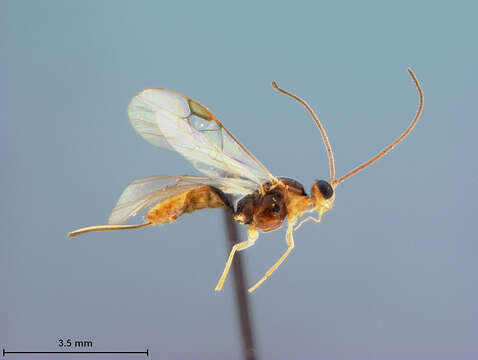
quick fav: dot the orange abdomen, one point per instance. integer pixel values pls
(203, 197)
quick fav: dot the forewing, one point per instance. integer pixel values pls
(170, 120)
(145, 192)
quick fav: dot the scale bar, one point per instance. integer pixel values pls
(76, 352)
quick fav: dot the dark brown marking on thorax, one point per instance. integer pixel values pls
(267, 211)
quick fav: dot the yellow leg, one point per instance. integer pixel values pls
(252, 235)
(290, 244)
(319, 218)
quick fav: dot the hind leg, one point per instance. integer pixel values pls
(252, 235)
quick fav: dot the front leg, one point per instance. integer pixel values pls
(290, 243)
(319, 218)
(252, 235)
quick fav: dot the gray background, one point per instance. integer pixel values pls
(390, 273)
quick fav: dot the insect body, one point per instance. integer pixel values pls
(170, 120)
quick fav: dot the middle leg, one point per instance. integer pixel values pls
(290, 245)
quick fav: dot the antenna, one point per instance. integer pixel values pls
(395, 143)
(319, 125)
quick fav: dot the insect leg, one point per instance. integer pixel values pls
(252, 235)
(106, 227)
(319, 218)
(290, 243)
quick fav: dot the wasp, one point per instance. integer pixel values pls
(264, 202)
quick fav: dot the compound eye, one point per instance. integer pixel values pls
(325, 189)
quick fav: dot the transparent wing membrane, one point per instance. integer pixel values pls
(143, 193)
(170, 120)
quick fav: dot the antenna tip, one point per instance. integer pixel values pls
(274, 85)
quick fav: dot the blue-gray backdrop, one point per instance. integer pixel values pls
(390, 273)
